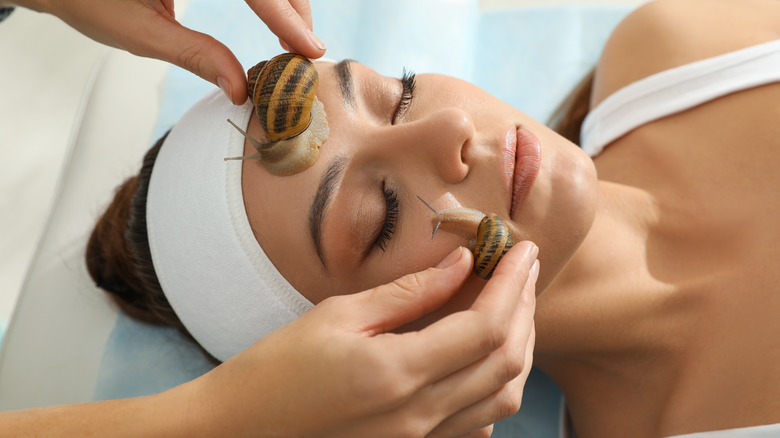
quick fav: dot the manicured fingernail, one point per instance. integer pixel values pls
(531, 251)
(226, 88)
(450, 260)
(533, 274)
(314, 40)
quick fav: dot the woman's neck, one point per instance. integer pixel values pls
(665, 319)
(600, 324)
(660, 304)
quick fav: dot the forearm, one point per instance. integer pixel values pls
(152, 416)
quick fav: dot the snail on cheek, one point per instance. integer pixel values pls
(284, 93)
(489, 237)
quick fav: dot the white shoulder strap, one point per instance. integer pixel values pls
(678, 89)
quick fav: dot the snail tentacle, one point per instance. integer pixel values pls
(255, 143)
(435, 227)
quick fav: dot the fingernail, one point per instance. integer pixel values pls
(531, 251)
(226, 88)
(314, 40)
(450, 259)
(533, 274)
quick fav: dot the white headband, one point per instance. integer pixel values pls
(216, 276)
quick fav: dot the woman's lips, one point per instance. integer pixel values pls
(527, 159)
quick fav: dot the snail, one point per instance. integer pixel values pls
(283, 91)
(490, 236)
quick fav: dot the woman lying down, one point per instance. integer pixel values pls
(658, 304)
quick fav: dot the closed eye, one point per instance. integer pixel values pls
(407, 93)
(391, 218)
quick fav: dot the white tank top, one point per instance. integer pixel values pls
(676, 90)
(669, 92)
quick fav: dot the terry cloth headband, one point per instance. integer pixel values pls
(213, 271)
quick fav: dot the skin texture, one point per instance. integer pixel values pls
(658, 299)
(450, 140)
(357, 329)
(427, 383)
(663, 321)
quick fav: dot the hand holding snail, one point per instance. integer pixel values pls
(283, 91)
(150, 28)
(490, 237)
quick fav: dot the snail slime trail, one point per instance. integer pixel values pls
(489, 236)
(284, 93)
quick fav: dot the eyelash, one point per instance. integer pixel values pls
(408, 84)
(391, 216)
(391, 196)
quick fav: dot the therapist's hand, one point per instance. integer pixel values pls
(339, 371)
(291, 21)
(149, 28)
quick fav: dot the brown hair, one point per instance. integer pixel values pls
(118, 256)
(568, 117)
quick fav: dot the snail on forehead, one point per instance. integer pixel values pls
(490, 238)
(283, 91)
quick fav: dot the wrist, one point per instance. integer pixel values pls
(181, 409)
(235, 400)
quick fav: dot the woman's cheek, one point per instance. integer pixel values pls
(422, 252)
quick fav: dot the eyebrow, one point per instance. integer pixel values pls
(322, 198)
(344, 77)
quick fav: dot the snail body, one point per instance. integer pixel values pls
(283, 92)
(490, 236)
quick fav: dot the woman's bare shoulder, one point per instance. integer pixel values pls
(663, 34)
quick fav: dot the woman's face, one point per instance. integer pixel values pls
(352, 221)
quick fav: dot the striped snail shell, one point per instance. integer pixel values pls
(493, 241)
(283, 91)
(491, 238)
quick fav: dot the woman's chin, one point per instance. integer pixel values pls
(563, 211)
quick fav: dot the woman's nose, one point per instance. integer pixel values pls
(442, 141)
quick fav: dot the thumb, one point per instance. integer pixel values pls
(198, 53)
(408, 298)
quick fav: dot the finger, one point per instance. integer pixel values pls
(285, 46)
(498, 293)
(196, 52)
(462, 338)
(304, 10)
(497, 406)
(479, 381)
(284, 21)
(168, 5)
(392, 305)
